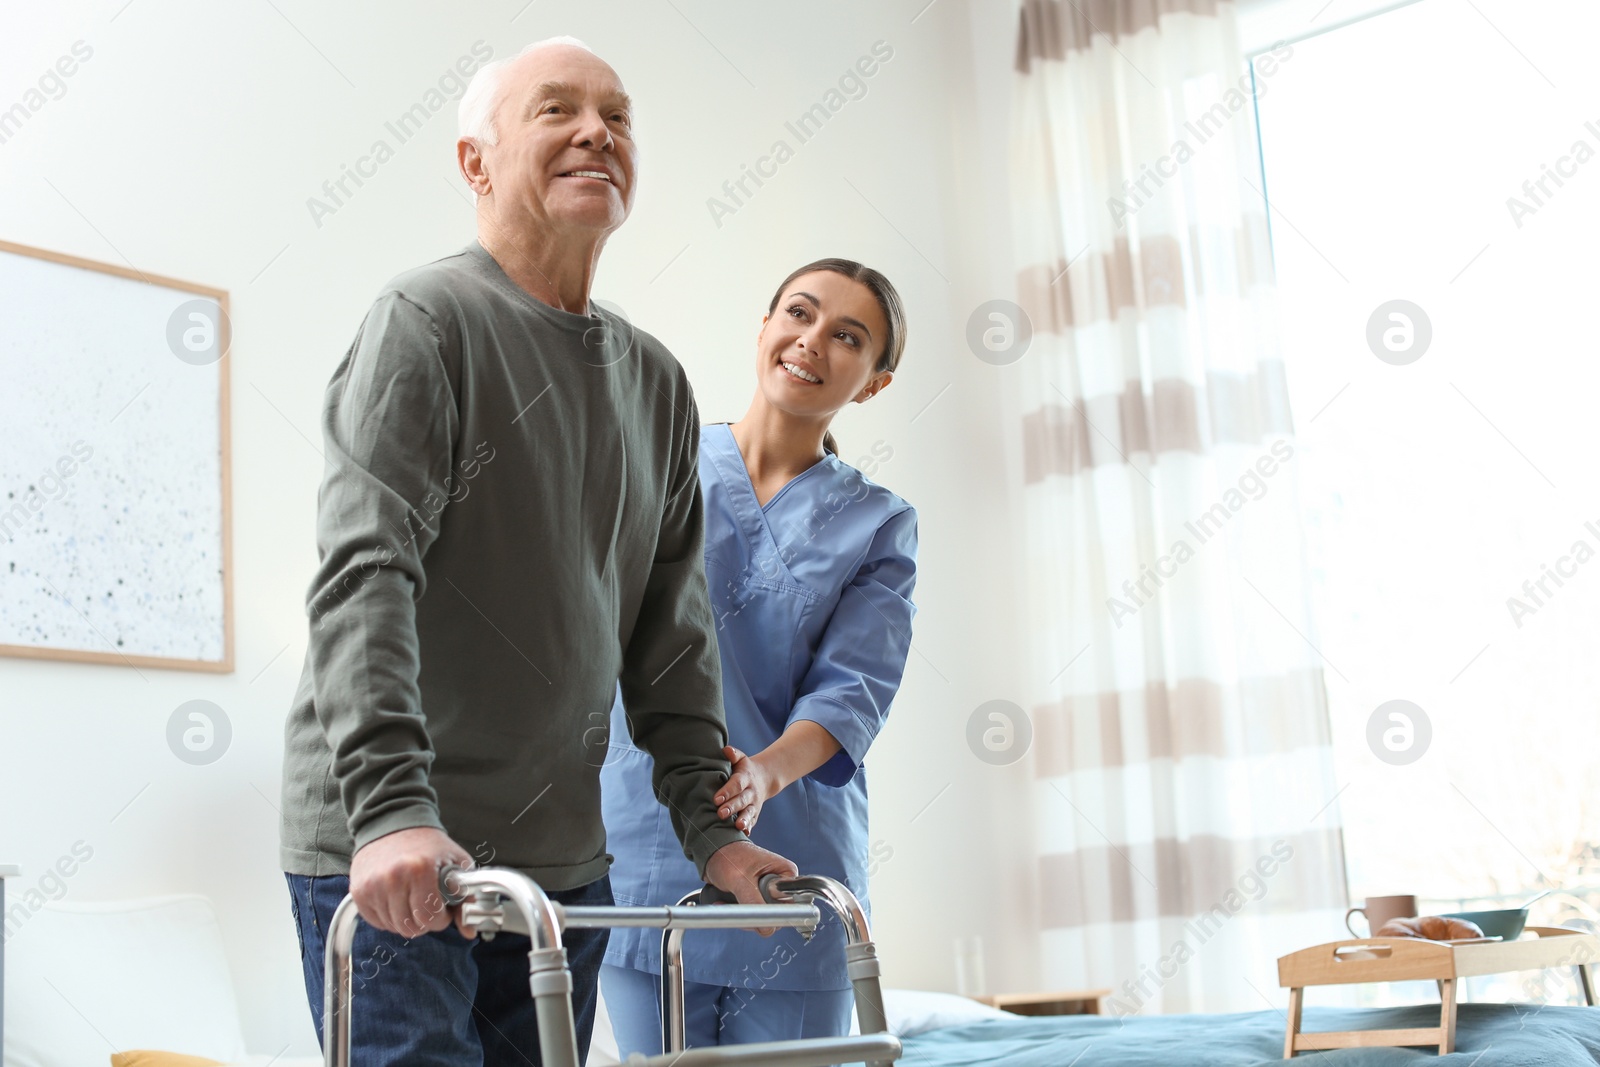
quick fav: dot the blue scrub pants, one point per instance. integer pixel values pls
(718, 1015)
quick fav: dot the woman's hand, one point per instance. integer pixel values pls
(800, 749)
(751, 783)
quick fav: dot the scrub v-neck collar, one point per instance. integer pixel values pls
(731, 443)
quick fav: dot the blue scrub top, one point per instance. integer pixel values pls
(812, 598)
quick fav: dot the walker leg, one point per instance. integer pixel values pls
(673, 1028)
(674, 1034)
(551, 984)
(1587, 984)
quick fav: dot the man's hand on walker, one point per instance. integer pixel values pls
(395, 882)
(738, 868)
(751, 783)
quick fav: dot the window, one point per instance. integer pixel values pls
(1441, 155)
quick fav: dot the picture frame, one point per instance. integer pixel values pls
(115, 479)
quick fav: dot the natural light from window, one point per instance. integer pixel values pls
(1435, 489)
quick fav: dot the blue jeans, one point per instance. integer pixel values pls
(719, 1015)
(440, 999)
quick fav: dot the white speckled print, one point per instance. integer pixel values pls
(110, 471)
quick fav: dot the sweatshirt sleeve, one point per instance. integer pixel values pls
(862, 655)
(389, 422)
(671, 674)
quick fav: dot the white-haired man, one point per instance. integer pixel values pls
(509, 526)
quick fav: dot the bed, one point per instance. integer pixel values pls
(1487, 1035)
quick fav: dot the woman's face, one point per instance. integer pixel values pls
(817, 349)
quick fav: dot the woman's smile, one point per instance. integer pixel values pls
(800, 373)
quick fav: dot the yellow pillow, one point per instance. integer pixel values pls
(144, 1058)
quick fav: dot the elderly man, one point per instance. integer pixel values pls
(509, 526)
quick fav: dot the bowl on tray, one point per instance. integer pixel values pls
(1504, 923)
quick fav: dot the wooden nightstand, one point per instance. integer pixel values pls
(1081, 1002)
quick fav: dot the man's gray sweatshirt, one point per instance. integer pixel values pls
(509, 523)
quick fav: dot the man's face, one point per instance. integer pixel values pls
(565, 153)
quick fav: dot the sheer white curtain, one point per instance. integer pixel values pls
(1185, 791)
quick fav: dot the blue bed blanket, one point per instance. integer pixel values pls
(1487, 1035)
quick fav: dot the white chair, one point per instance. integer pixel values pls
(85, 980)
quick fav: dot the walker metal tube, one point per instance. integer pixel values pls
(690, 917)
(548, 978)
(674, 1029)
(861, 965)
(861, 955)
(673, 1008)
(681, 917)
(836, 896)
(484, 893)
(336, 985)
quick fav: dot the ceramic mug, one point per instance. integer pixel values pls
(1379, 910)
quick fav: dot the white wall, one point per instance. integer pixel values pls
(188, 145)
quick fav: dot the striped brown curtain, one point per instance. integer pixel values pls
(1185, 791)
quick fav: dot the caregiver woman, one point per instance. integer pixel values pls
(810, 568)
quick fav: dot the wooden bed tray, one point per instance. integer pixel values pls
(1399, 959)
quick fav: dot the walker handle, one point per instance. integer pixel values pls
(710, 894)
(446, 872)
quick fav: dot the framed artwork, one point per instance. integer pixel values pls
(115, 518)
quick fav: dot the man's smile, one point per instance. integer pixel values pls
(589, 174)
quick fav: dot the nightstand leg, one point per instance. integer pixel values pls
(1295, 996)
(1587, 984)
(1447, 1017)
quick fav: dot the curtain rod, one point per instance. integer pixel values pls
(1329, 28)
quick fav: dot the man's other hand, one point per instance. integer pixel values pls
(738, 868)
(395, 882)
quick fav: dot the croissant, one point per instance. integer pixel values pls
(1430, 928)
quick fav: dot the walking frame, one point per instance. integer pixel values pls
(496, 898)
